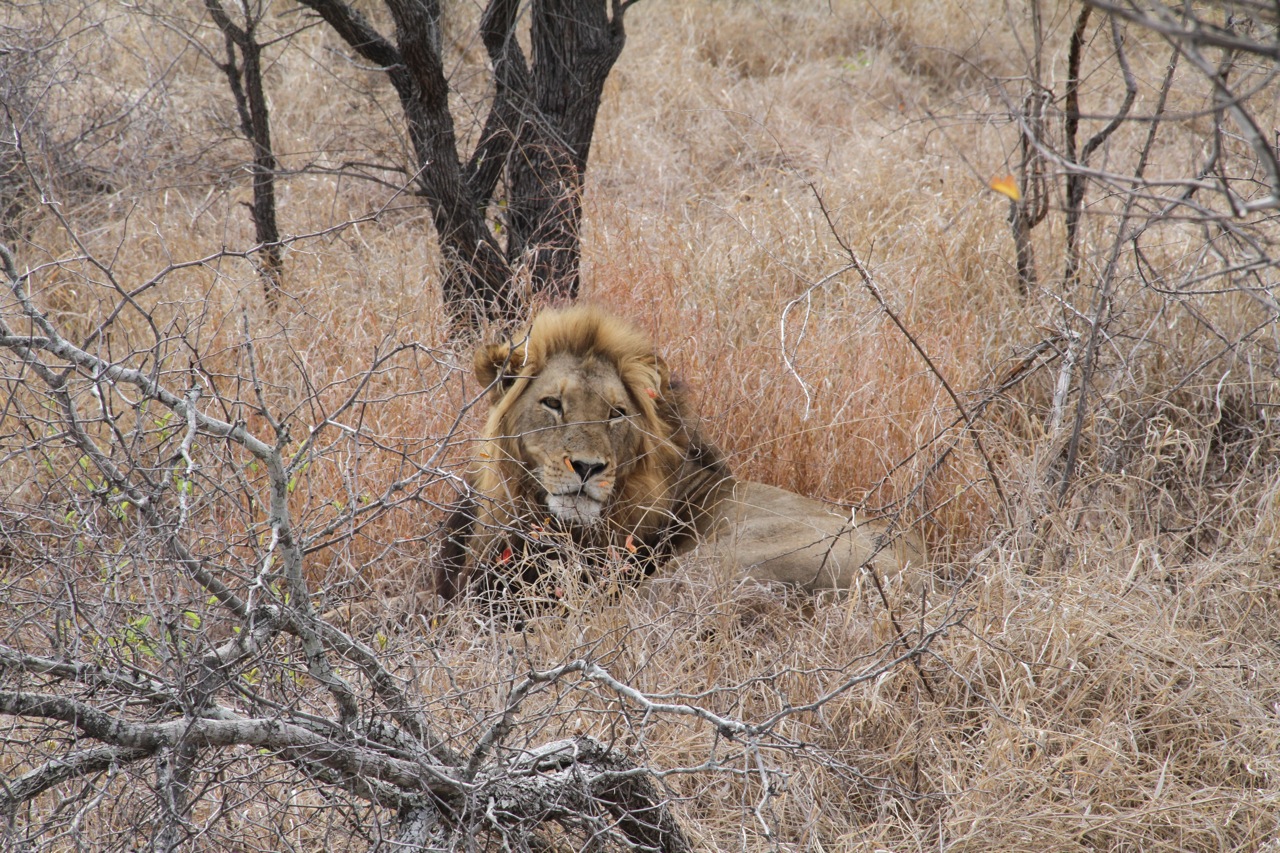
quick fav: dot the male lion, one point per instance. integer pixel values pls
(588, 442)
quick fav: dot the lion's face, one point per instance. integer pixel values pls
(576, 434)
(584, 428)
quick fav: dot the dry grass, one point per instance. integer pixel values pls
(1115, 683)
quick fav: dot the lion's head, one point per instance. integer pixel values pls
(584, 427)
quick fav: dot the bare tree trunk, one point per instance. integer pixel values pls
(250, 95)
(1077, 179)
(476, 276)
(575, 45)
(1029, 210)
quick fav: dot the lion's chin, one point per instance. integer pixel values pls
(575, 509)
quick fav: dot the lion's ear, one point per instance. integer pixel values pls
(658, 382)
(496, 367)
(649, 376)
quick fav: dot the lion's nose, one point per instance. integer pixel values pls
(587, 470)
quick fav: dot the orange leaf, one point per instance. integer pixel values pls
(1006, 186)
(630, 544)
(653, 395)
(506, 555)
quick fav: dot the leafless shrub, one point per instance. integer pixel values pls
(1218, 205)
(45, 147)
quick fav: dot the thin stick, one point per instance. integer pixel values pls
(915, 344)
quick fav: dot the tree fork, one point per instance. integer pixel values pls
(534, 144)
(575, 45)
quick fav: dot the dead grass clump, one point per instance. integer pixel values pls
(1119, 709)
(1077, 707)
(761, 40)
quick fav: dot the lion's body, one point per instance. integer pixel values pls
(775, 536)
(588, 442)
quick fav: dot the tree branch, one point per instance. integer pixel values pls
(35, 782)
(511, 97)
(867, 281)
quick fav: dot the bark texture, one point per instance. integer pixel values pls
(531, 157)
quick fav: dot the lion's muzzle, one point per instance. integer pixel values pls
(575, 508)
(577, 494)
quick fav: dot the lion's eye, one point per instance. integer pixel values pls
(552, 403)
(617, 412)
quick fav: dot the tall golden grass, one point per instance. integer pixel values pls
(1114, 682)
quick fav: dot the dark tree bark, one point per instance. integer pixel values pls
(1077, 179)
(575, 44)
(245, 79)
(532, 151)
(1028, 211)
